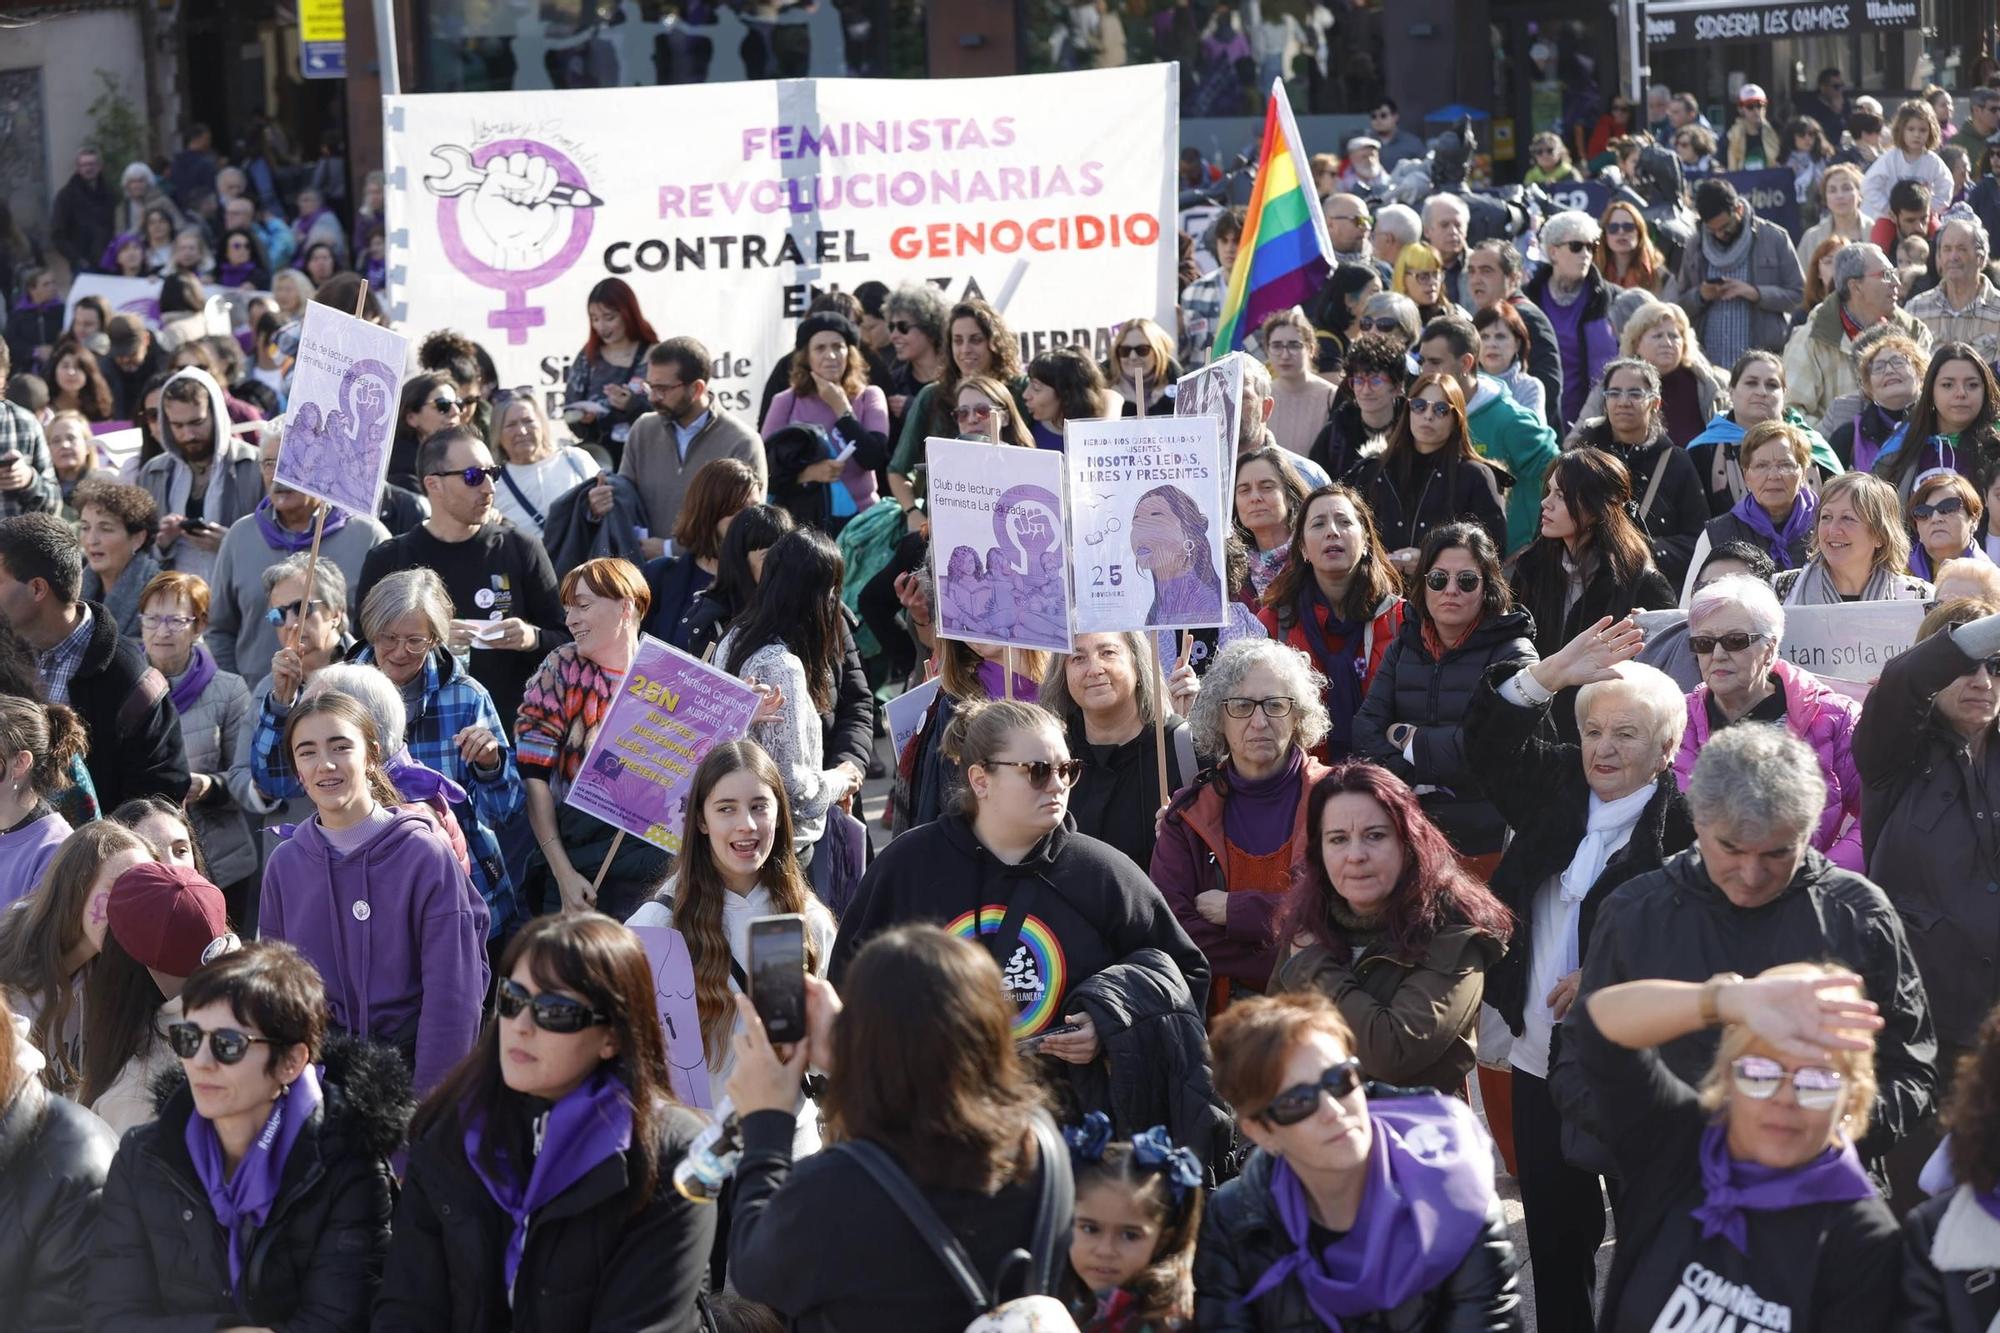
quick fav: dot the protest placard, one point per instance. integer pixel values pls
(671, 710)
(998, 534)
(341, 415)
(125, 296)
(1851, 641)
(1216, 390)
(906, 711)
(1147, 523)
(680, 1017)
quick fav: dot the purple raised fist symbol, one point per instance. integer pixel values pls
(526, 223)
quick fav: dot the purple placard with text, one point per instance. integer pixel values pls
(340, 418)
(671, 710)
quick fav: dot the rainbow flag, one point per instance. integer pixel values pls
(1284, 257)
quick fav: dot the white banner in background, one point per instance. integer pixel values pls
(125, 296)
(727, 206)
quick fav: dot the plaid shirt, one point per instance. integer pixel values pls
(1201, 314)
(59, 663)
(449, 707)
(1978, 323)
(21, 434)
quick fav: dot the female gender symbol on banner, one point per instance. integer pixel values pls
(529, 221)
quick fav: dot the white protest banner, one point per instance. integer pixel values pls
(1216, 390)
(680, 1017)
(341, 417)
(906, 712)
(119, 449)
(1849, 644)
(125, 296)
(997, 532)
(1147, 523)
(1051, 195)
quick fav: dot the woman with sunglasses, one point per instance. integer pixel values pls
(261, 1194)
(430, 402)
(1735, 625)
(986, 410)
(1231, 842)
(1430, 475)
(1626, 255)
(1336, 313)
(1303, 1238)
(1926, 750)
(310, 636)
(1747, 1191)
(372, 894)
(1419, 278)
(1462, 623)
(1063, 912)
(916, 314)
(539, 1191)
(1575, 297)
(1945, 513)
(1142, 368)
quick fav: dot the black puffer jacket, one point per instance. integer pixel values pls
(1674, 520)
(53, 1159)
(1964, 1295)
(1242, 1237)
(317, 1260)
(591, 1262)
(1414, 686)
(1456, 490)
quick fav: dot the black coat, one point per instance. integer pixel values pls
(591, 1262)
(1545, 362)
(1955, 1300)
(1242, 1237)
(316, 1261)
(1537, 784)
(1680, 504)
(135, 731)
(82, 220)
(1603, 595)
(1341, 447)
(848, 732)
(1117, 798)
(1674, 924)
(53, 1159)
(1457, 490)
(1416, 687)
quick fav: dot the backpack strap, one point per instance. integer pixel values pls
(525, 503)
(903, 1192)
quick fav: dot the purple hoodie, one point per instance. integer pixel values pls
(395, 929)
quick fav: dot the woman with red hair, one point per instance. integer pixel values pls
(600, 403)
(1385, 922)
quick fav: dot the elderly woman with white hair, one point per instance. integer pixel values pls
(1396, 225)
(1233, 841)
(1658, 333)
(1393, 315)
(1577, 300)
(1734, 629)
(536, 470)
(1586, 818)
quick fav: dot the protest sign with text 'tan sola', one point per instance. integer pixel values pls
(1147, 523)
(671, 710)
(997, 538)
(341, 416)
(1051, 195)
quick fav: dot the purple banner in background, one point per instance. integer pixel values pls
(671, 710)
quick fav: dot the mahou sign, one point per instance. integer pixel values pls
(1671, 23)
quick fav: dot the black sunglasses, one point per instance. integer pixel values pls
(1367, 325)
(1735, 642)
(1468, 580)
(551, 1013)
(1574, 247)
(1295, 1104)
(901, 325)
(229, 1045)
(1951, 504)
(444, 404)
(1039, 771)
(472, 476)
(1621, 228)
(278, 615)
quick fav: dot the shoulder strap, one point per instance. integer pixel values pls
(1652, 488)
(903, 1192)
(515, 489)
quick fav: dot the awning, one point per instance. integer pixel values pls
(1672, 23)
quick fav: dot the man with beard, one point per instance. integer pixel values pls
(1740, 281)
(80, 217)
(204, 478)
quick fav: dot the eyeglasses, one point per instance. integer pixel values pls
(900, 326)
(1039, 771)
(1128, 352)
(1777, 467)
(1733, 642)
(1298, 1103)
(1370, 381)
(1277, 706)
(472, 476)
(1421, 273)
(1437, 407)
(1468, 580)
(551, 1013)
(1621, 228)
(174, 623)
(1389, 325)
(979, 413)
(1758, 1077)
(416, 645)
(278, 615)
(1290, 347)
(228, 1045)
(1362, 221)
(1638, 395)
(1574, 247)
(444, 404)
(1886, 361)
(1951, 504)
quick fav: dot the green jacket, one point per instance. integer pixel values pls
(1512, 436)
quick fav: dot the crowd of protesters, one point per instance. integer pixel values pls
(1208, 983)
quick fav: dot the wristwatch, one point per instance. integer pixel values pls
(1711, 996)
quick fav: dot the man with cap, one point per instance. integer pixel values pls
(1740, 281)
(28, 482)
(830, 409)
(1753, 140)
(135, 359)
(1364, 173)
(168, 920)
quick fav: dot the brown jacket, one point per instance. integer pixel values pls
(1414, 1025)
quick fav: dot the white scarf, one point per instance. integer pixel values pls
(1608, 829)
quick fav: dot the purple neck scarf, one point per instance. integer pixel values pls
(201, 670)
(1734, 1188)
(244, 1200)
(1260, 813)
(591, 1125)
(1920, 560)
(235, 275)
(1423, 1207)
(281, 538)
(1797, 524)
(993, 680)
(418, 782)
